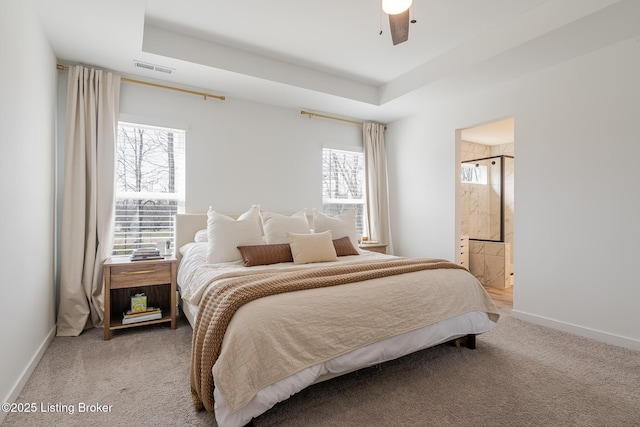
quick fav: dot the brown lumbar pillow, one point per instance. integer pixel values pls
(344, 247)
(265, 254)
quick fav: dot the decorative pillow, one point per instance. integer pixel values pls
(184, 249)
(317, 247)
(344, 247)
(193, 249)
(225, 234)
(201, 236)
(340, 225)
(276, 225)
(265, 254)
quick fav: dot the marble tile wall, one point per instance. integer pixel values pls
(477, 219)
(473, 197)
(471, 150)
(502, 149)
(480, 209)
(489, 262)
(494, 201)
(509, 189)
(476, 209)
(509, 202)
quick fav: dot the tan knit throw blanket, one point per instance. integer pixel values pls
(220, 302)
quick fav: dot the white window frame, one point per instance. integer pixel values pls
(130, 235)
(334, 204)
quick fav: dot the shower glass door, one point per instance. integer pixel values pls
(482, 198)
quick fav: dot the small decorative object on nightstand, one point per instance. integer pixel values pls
(124, 278)
(373, 246)
(138, 303)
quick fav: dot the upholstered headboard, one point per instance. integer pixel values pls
(186, 227)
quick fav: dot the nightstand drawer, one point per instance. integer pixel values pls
(133, 274)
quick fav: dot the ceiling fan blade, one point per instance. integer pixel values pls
(399, 25)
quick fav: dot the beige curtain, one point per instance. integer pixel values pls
(375, 163)
(88, 201)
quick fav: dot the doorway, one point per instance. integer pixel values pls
(486, 201)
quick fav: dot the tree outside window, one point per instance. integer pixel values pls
(149, 185)
(343, 184)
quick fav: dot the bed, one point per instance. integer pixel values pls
(280, 302)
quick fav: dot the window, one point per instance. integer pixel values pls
(474, 173)
(343, 184)
(150, 186)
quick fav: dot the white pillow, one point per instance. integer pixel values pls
(184, 249)
(225, 234)
(201, 236)
(276, 226)
(194, 249)
(340, 225)
(317, 247)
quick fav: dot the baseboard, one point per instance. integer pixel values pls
(578, 330)
(28, 370)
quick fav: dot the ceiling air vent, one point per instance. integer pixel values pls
(163, 69)
(153, 67)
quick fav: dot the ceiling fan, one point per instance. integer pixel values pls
(398, 11)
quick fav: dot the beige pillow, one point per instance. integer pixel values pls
(316, 247)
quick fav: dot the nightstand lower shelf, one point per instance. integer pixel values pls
(117, 324)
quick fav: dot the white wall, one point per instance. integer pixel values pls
(422, 187)
(576, 226)
(241, 153)
(28, 88)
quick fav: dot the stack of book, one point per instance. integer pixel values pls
(145, 253)
(150, 313)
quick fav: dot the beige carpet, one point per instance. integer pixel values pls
(520, 375)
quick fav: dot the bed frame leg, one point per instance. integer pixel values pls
(471, 341)
(468, 341)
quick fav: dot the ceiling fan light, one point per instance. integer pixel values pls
(394, 7)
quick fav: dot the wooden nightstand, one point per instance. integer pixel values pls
(124, 278)
(374, 247)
